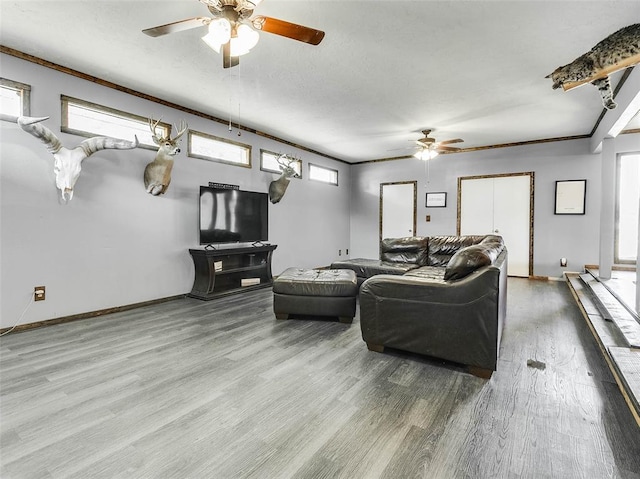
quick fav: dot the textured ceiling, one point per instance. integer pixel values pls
(385, 70)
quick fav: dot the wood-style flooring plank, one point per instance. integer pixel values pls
(220, 389)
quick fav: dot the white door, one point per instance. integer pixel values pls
(397, 210)
(475, 215)
(500, 205)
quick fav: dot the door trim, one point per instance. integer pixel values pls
(415, 207)
(531, 176)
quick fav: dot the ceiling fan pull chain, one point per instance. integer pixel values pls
(426, 171)
(238, 89)
(229, 79)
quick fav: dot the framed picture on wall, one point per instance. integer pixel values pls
(436, 200)
(570, 197)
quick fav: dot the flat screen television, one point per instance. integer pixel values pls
(233, 216)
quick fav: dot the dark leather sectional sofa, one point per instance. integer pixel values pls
(441, 296)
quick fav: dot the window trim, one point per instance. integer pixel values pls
(64, 120)
(25, 98)
(312, 165)
(616, 233)
(270, 170)
(244, 146)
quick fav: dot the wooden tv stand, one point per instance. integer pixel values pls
(224, 271)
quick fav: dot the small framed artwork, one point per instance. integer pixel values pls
(436, 200)
(570, 197)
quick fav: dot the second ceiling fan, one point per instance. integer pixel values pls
(232, 31)
(430, 148)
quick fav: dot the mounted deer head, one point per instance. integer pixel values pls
(278, 187)
(157, 174)
(68, 163)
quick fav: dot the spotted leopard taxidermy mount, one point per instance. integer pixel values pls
(618, 51)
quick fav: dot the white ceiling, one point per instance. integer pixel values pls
(384, 71)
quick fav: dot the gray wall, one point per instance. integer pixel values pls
(573, 237)
(113, 244)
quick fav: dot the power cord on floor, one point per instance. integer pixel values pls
(21, 316)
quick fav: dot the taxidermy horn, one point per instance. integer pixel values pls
(68, 162)
(32, 125)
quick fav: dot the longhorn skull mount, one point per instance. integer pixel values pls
(68, 162)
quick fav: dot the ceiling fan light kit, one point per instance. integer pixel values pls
(426, 154)
(242, 40)
(219, 34)
(228, 32)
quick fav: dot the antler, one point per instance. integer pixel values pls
(157, 139)
(288, 160)
(181, 129)
(285, 162)
(279, 158)
(152, 126)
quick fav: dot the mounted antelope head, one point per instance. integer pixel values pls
(67, 162)
(157, 174)
(278, 187)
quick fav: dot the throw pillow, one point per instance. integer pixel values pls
(466, 261)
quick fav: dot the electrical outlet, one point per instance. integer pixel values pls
(39, 293)
(339, 252)
(347, 251)
(563, 262)
(428, 218)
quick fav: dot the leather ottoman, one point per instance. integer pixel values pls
(315, 292)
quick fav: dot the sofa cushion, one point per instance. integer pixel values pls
(365, 268)
(403, 250)
(442, 248)
(433, 274)
(469, 259)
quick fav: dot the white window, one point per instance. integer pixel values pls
(627, 200)
(325, 175)
(14, 100)
(209, 147)
(269, 162)
(80, 117)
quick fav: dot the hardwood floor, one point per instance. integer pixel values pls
(220, 389)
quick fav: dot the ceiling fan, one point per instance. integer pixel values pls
(232, 31)
(429, 148)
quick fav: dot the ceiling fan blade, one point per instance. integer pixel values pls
(406, 148)
(447, 142)
(227, 60)
(178, 26)
(447, 148)
(287, 29)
